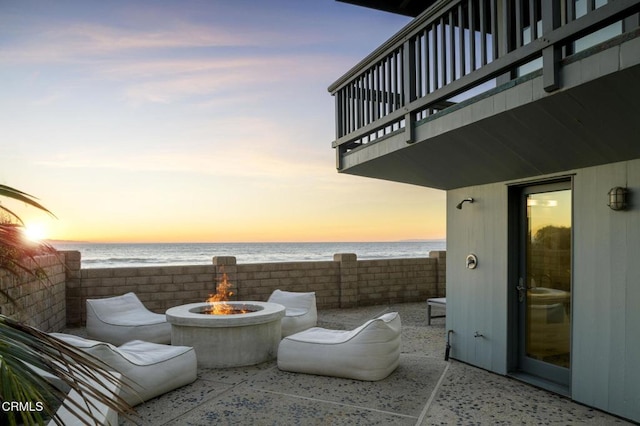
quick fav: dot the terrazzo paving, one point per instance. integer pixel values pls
(424, 390)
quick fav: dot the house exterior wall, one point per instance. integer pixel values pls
(477, 298)
(605, 294)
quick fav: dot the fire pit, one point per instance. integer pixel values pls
(227, 334)
(228, 340)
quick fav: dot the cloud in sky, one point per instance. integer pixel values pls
(210, 116)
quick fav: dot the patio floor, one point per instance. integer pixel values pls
(424, 390)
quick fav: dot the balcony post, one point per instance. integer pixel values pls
(506, 37)
(409, 86)
(552, 54)
(339, 114)
(340, 128)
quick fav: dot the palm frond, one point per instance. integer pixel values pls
(35, 366)
(9, 192)
(19, 256)
(11, 214)
(27, 353)
(15, 249)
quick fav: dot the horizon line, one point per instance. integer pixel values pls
(416, 240)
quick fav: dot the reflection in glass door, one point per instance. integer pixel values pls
(544, 285)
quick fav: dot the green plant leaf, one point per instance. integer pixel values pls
(9, 192)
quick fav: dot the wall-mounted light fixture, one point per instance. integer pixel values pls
(618, 198)
(459, 206)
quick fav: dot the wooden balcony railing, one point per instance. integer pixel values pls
(457, 47)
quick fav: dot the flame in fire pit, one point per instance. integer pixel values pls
(218, 302)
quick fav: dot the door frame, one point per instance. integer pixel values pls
(516, 246)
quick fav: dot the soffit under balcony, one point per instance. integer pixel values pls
(411, 8)
(518, 132)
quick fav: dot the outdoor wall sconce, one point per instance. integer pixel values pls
(618, 198)
(459, 206)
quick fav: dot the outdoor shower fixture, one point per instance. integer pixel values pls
(459, 206)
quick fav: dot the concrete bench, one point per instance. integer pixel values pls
(436, 301)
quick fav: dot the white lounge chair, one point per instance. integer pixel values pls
(370, 352)
(120, 319)
(151, 369)
(301, 312)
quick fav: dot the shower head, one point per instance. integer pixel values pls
(459, 206)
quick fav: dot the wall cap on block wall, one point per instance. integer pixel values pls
(224, 260)
(345, 257)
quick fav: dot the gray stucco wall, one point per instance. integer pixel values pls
(606, 285)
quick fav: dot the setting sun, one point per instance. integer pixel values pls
(35, 231)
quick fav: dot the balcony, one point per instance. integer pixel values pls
(481, 91)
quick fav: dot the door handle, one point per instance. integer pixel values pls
(521, 289)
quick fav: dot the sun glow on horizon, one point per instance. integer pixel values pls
(36, 231)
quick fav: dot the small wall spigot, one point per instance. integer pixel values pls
(478, 334)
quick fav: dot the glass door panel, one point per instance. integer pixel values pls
(544, 284)
(548, 278)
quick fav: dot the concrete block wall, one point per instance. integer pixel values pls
(257, 281)
(396, 280)
(441, 282)
(159, 288)
(341, 283)
(39, 302)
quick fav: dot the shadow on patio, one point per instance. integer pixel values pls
(424, 390)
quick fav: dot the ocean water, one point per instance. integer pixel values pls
(161, 254)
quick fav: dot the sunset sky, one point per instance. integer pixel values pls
(192, 121)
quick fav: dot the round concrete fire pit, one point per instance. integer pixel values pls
(228, 340)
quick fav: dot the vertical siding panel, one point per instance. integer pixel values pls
(629, 402)
(606, 335)
(477, 299)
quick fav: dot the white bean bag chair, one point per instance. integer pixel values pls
(370, 352)
(152, 369)
(120, 319)
(100, 413)
(301, 312)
